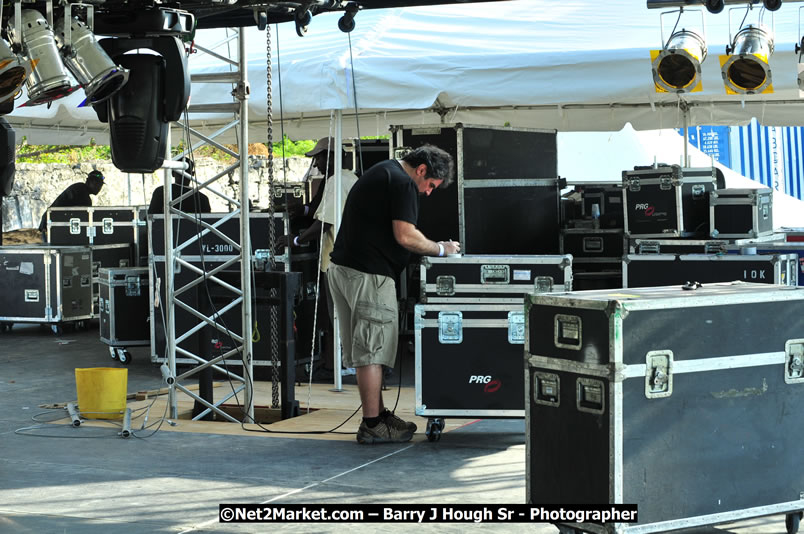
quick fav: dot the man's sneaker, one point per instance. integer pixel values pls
(384, 432)
(397, 422)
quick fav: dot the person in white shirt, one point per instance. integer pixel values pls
(323, 155)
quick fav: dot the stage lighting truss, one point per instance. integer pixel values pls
(677, 66)
(746, 65)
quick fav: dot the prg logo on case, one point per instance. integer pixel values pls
(647, 208)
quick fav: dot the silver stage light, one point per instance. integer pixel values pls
(677, 67)
(88, 62)
(49, 80)
(13, 72)
(745, 67)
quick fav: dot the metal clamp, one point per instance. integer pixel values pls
(659, 374)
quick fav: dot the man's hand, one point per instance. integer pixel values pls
(283, 240)
(450, 247)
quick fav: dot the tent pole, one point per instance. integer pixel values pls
(336, 332)
(686, 136)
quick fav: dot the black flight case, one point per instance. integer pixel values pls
(682, 402)
(123, 310)
(45, 284)
(507, 191)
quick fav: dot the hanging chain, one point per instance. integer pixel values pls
(272, 229)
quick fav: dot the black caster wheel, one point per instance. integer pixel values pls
(124, 356)
(113, 353)
(791, 522)
(434, 427)
(57, 329)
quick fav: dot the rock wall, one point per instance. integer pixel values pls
(37, 185)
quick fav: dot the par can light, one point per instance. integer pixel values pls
(88, 62)
(49, 80)
(677, 68)
(747, 69)
(13, 72)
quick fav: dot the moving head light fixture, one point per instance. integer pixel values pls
(745, 67)
(677, 66)
(72, 45)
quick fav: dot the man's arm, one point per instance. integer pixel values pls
(411, 238)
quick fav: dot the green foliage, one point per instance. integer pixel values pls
(62, 153)
(290, 148)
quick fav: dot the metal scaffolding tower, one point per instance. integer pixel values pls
(176, 296)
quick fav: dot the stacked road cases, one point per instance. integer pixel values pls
(631, 392)
(469, 332)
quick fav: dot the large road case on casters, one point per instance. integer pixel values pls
(45, 284)
(468, 362)
(683, 402)
(123, 306)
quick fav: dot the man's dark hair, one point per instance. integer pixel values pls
(439, 163)
(95, 175)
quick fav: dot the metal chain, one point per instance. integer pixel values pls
(272, 228)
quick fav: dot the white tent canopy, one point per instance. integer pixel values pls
(575, 65)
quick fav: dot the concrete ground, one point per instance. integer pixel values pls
(60, 479)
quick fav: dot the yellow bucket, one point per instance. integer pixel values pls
(101, 392)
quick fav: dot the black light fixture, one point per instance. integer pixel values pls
(347, 22)
(676, 67)
(14, 70)
(715, 6)
(772, 5)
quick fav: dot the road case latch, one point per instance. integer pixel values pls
(495, 274)
(590, 396)
(666, 183)
(633, 184)
(516, 327)
(546, 389)
(133, 286)
(108, 225)
(794, 361)
(698, 191)
(450, 327)
(659, 374)
(75, 226)
(445, 285)
(543, 284)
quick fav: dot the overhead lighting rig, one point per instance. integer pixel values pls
(715, 6)
(677, 66)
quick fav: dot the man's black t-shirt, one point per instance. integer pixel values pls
(365, 240)
(188, 205)
(76, 195)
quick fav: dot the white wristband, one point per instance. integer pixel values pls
(440, 250)
(296, 241)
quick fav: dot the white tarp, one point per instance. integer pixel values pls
(574, 65)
